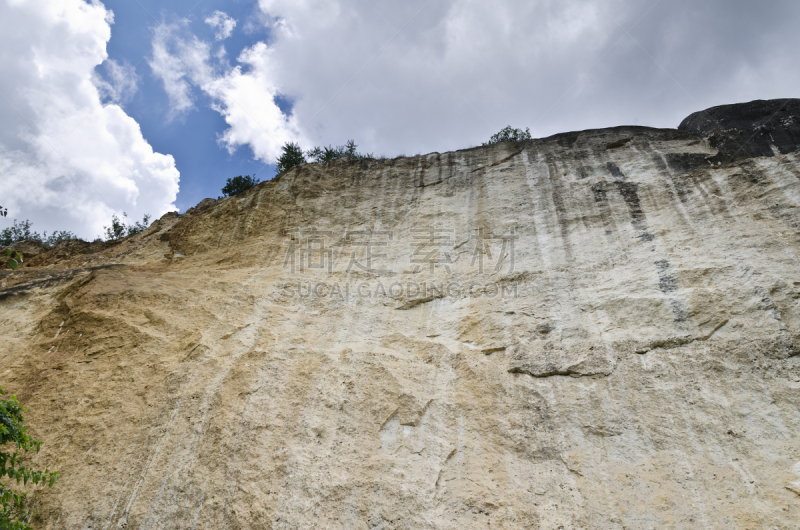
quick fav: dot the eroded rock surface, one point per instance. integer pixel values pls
(758, 128)
(596, 330)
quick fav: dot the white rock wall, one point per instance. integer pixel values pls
(637, 366)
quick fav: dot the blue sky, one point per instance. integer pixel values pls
(153, 111)
(191, 138)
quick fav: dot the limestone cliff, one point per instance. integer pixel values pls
(595, 330)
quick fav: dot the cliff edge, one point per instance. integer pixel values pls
(744, 130)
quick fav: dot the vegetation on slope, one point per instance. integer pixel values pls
(14, 443)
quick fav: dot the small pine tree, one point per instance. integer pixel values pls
(348, 151)
(316, 154)
(507, 134)
(238, 185)
(292, 156)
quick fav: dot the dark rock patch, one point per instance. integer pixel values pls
(744, 130)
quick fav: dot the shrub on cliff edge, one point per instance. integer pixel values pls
(292, 156)
(238, 185)
(119, 229)
(507, 134)
(21, 231)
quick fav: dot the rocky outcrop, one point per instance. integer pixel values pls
(744, 130)
(595, 330)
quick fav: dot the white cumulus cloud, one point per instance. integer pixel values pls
(222, 24)
(67, 161)
(420, 75)
(119, 83)
(245, 100)
(179, 63)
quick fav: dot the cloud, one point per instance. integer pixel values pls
(222, 24)
(68, 161)
(245, 100)
(419, 76)
(179, 63)
(120, 83)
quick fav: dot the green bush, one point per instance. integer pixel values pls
(507, 134)
(21, 231)
(119, 229)
(292, 156)
(14, 513)
(116, 230)
(348, 151)
(238, 185)
(324, 154)
(139, 226)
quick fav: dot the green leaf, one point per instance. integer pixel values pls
(13, 264)
(14, 513)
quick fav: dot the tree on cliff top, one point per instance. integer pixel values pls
(21, 231)
(348, 151)
(14, 514)
(119, 229)
(292, 156)
(238, 185)
(507, 134)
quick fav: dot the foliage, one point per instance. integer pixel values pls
(326, 154)
(319, 154)
(119, 229)
(238, 185)
(12, 259)
(21, 231)
(507, 134)
(292, 156)
(13, 512)
(58, 235)
(139, 226)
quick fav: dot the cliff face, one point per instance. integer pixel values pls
(595, 330)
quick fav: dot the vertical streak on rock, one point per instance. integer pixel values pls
(562, 217)
(540, 222)
(600, 196)
(233, 232)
